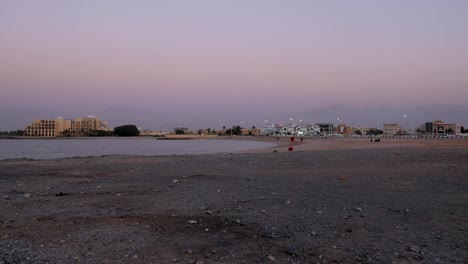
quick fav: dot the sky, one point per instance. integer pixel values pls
(231, 58)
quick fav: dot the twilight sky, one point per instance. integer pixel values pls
(262, 56)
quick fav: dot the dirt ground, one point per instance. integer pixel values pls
(329, 201)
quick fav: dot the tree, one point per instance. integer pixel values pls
(358, 132)
(462, 130)
(449, 131)
(126, 131)
(374, 132)
(179, 131)
(235, 130)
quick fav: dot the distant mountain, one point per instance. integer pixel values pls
(168, 119)
(409, 117)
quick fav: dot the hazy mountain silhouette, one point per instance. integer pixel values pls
(19, 118)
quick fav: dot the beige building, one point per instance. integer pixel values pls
(440, 127)
(343, 129)
(360, 128)
(389, 130)
(62, 127)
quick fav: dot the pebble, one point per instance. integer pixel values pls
(359, 209)
(414, 248)
(135, 257)
(288, 202)
(200, 262)
(290, 249)
(175, 181)
(313, 233)
(174, 260)
(118, 194)
(27, 195)
(270, 257)
(192, 222)
(207, 229)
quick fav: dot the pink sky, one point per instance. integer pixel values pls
(213, 55)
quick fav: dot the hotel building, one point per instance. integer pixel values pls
(63, 127)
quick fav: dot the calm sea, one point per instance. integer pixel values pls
(82, 147)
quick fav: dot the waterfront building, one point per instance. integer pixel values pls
(390, 130)
(438, 127)
(343, 130)
(326, 128)
(63, 127)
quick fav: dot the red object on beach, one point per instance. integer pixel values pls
(292, 139)
(290, 149)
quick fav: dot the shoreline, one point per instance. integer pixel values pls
(389, 204)
(307, 145)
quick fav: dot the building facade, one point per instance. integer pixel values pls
(390, 130)
(438, 127)
(326, 128)
(63, 127)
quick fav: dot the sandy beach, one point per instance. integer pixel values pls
(328, 201)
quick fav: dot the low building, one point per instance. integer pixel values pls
(326, 128)
(362, 129)
(343, 130)
(438, 127)
(390, 130)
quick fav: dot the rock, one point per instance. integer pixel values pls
(175, 181)
(192, 222)
(209, 211)
(27, 195)
(207, 229)
(313, 233)
(414, 248)
(290, 249)
(118, 194)
(135, 257)
(288, 202)
(271, 258)
(174, 260)
(200, 262)
(359, 209)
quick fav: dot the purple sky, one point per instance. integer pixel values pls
(216, 56)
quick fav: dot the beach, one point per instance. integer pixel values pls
(327, 201)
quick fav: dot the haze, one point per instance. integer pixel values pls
(205, 62)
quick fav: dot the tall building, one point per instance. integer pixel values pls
(62, 127)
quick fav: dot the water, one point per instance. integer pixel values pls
(82, 147)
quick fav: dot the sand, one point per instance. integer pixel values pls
(328, 201)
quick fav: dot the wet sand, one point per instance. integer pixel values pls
(328, 201)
